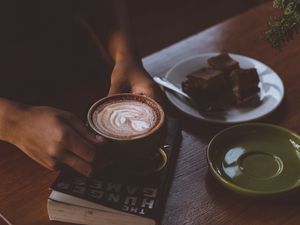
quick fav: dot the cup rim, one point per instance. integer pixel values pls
(154, 129)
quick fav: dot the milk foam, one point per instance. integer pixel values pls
(125, 118)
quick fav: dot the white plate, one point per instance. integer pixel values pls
(271, 91)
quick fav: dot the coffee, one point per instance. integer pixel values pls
(124, 118)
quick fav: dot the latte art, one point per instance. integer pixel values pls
(126, 118)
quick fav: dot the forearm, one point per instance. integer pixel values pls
(112, 26)
(8, 118)
(121, 42)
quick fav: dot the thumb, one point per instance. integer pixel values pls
(115, 88)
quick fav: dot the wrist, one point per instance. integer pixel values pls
(128, 60)
(9, 116)
(129, 71)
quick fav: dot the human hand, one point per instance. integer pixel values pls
(52, 137)
(135, 79)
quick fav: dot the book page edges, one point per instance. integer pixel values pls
(72, 200)
(84, 215)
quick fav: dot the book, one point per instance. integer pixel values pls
(118, 196)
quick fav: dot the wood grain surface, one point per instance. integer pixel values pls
(195, 197)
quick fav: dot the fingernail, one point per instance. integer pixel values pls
(99, 137)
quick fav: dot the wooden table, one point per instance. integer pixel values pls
(195, 196)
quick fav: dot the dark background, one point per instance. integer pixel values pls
(159, 23)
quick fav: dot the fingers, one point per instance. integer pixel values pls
(150, 90)
(72, 159)
(85, 150)
(158, 98)
(115, 89)
(79, 154)
(119, 81)
(81, 147)
(84, 131)
(77, 163)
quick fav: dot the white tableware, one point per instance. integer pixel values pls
(270, 96)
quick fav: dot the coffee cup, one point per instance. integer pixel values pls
(133, 125)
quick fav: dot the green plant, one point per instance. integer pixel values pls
(281, 29)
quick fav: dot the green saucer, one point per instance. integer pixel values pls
(256, 158)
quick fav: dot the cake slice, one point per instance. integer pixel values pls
(244, 83)
(205, 86)
(223, 62)
(207, 79)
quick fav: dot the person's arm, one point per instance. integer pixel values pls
(129, 73)
(49, 136)
(114, 30)
(120, 43)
